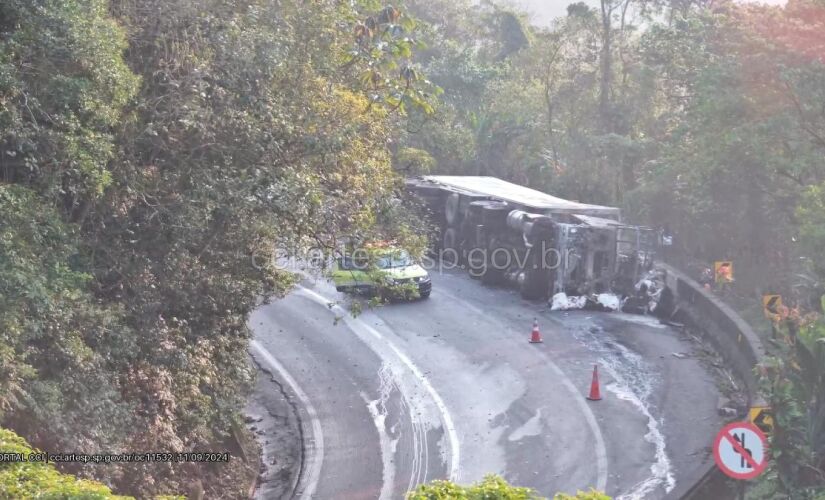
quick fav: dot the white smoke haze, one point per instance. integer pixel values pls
(542, 12)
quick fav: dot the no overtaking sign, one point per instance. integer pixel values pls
(741, 450)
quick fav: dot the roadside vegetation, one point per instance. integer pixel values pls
(154, 154)
(794, 379)
(40, 480)
(491, 488)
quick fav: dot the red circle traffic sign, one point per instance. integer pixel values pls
(741, 450)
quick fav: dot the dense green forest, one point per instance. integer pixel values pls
(152, 151)
(702, 118)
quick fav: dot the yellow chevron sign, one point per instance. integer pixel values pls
(762, 417)
(772, 306)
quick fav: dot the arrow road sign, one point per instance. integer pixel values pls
(772, 306)
(741, 450)
(762, 417)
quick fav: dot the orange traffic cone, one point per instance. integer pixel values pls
(595, 393)
(535, 336)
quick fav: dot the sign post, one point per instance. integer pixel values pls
(741, 452)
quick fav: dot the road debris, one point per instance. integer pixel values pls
(728, 412)
(561, 302)
(609, 301)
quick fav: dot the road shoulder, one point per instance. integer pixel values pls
(271, 415)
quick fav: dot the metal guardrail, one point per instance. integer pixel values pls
(733, 339)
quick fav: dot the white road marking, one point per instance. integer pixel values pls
(315, 444)
(601, 448)
(661, 468)
(421, 450)
(378, 410)
(358, 326)
(635, 390)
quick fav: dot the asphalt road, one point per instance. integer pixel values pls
(449, 387)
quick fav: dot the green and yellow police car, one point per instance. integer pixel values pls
(386, 271)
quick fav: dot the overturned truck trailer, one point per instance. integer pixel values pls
(509, 234)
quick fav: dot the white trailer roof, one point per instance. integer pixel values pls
(599, 221)
(507, 191)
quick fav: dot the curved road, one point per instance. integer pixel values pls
(449, 387)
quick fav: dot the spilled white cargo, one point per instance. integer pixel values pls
(605, 301)
(609, 301)
(561, 302)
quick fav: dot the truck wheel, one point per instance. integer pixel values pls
(494, 264)
(449, 246)
(475, 265)
(536, 284)
(494, 213)
(451, 207)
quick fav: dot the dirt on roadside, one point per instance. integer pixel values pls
(272, 417)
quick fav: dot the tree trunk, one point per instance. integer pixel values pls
(606, 67)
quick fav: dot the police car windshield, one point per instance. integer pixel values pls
(395, 259)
